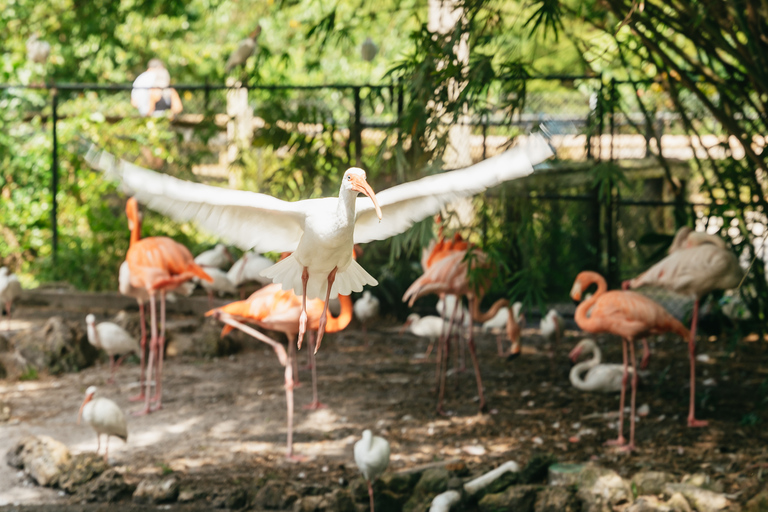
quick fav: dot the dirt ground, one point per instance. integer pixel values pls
(224, 419)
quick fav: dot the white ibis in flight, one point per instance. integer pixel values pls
(320, 232)
(104, 416)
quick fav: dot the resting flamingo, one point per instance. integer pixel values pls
(697, 264)
(605, 378)
(276, 309)
(158, 265)
(320, 232)
(626, 314)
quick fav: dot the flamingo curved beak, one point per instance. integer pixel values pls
(574, 354)
(576, 291)
(515, 351)
(88, 398)
(404, 327)
(361, 185)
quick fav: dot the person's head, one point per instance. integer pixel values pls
(155, 64)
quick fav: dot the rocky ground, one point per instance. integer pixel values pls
(219, 440)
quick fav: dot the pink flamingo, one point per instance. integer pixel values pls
(626, 314)
(697, 264)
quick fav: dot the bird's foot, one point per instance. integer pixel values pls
(146, 410)
(137, 398)
(155, 398)
(157, 406)
(483, 408)
(296, 458)
(302, 328)
(317, 404)
(616, 442)
(629, 448)
(693, 422)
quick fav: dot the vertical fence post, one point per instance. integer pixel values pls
(612, 98)
(485, 136)
(600, 119)
(206, 95)
(357, 130)
(54, 179)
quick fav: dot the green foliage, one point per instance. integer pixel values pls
(30, 373)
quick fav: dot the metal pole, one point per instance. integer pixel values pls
(55, 179)
(357, 128)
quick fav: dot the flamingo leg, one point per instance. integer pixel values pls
(646, 354)
(303, 316)
(620, 441)
(444, 333)
(106, 450)
(324, 316)
(292, 354)
(158, 398)
(631, 445)
(140, 396)
(152, 352)
(499, 346)
(462, 357)
(446, 351)
(475, 364)
(316, 403)
(370, 493)
(289, 405)
(692, 421)
(111, 378)
(430, 347)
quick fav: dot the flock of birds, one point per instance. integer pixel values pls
(317, 238)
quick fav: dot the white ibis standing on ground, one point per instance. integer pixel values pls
(320, 232)
(245, 49)
(10, 290)
(605, 378)
(430, 327)
(112, 339)
(551, 327)
(698, 264)
(105, 417)
(366, 310)
(220, 284)
(372, 458)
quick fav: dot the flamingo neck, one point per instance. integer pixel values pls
(582, 320)
(578, 369)
(132, 212)
(339, 323)
(479, 316)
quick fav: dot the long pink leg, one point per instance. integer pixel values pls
(316, 403)
(443, 334)
(289, 405)
(158, 398)
(140, 396)
(475, 364)
(631, 445)
(462, 358)
(303, 316)
(292, 354)
(111, 379)
(446, 350)
(370, 493)
(152, 351)
(646, 354)
(324, 316)
(692, 421)
(499, 346)
(620, 441)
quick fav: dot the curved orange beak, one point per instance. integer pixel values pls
(88, 398)
(361, 185)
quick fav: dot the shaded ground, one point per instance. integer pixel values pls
(223, 421)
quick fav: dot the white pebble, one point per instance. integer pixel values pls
(537, 440)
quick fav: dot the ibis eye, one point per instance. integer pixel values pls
(349, 178)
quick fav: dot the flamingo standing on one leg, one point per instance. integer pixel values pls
(698, 263)
(276, 309)
(626, 314)
(157, 264)
(322, 231)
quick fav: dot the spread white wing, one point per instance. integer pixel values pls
(246, 219)
(403, 205)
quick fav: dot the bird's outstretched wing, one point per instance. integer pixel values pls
(246, 219)
(403, 205)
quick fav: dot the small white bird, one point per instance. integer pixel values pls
(551, 328)
(372, 457)
(430, 327)
(605, 378)
(248, 269)
(498, 324)
(37, 50)
(10, 290)
(113, 339)
(366, 309)
(220, 284)
(104, 416)
(244, 50)
(218, 257)
(368, 50)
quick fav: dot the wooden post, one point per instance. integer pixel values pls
(55, 180)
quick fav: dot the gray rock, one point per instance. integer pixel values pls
(275, 495)
(599, 489)
(555, 499)
(704, 481)
(432, 482)
(206, 341)
(564, 474)
(153, 491)
(678, 503)
(110, 487)
(648, 504)
(5, 343)
(81, 469)
(701, 499)
(651, 482)
(187, 494)
(399, 483)
(336, 501)
(58, 347)
(520, 498)
(309, 504)
(41, 457)
(236, 499)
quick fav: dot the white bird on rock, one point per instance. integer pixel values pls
(605, 378)
(366, 309)
(218, 257)
(104, 416)
(112, 339)
(10, 290)
(321, 232)
(220, 284)
(372, 458)
(245, 49)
